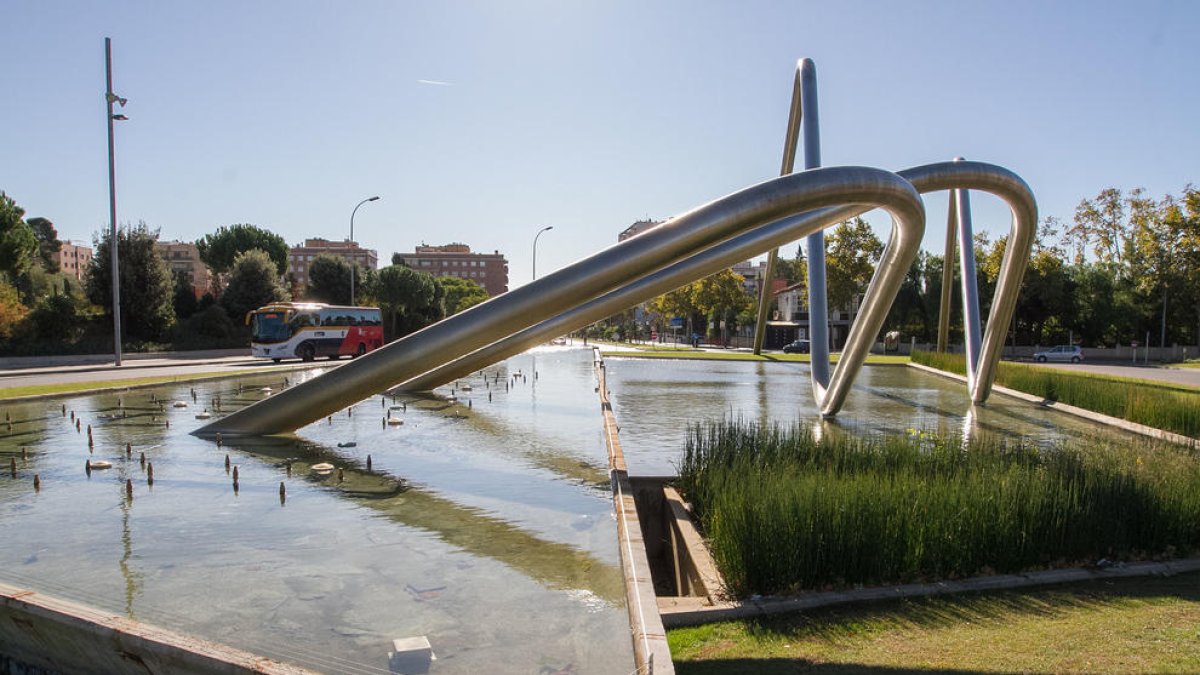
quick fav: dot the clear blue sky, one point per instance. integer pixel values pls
(482, 122)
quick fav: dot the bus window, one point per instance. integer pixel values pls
(301, 320)
(268, 327)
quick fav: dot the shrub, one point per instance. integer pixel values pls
(783, 511)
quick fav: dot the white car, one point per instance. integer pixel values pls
(1072, 353)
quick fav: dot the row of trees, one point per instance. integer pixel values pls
(43, 311)
(1126, 265)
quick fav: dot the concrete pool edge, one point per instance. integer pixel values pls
(110, 386)
(651, 651)
(58, 635)
(1090, 415)
(679, 612)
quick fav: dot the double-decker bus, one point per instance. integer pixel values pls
(305, 330)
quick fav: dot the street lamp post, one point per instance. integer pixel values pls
(110, 98)
(535, 238)
(368, 199)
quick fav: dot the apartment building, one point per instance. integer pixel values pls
(184, 258)
(73, 259)
(300, 257)
(489, 270)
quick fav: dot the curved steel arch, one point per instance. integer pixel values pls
(929, 178)
(697, 230)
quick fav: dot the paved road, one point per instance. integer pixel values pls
(166, 366)
(1185, 376)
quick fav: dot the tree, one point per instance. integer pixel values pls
(852, 252)
(794, 270)
(908, 314)
(679, 303)
(146, 284)
(409, 299)
(460, 294)
(219, 249)
(329, 280)
(721, 297)
(184, 298)
(252, 284)
(12, 312)
(48, 242)
(18, 244)
(55, 321)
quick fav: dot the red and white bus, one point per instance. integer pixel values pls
(306, 330)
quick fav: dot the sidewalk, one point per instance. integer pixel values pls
(82, 373)
(27, 364)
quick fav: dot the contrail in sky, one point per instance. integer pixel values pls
(437, 83)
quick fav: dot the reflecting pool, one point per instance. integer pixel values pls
(483, 521)
(656, 400)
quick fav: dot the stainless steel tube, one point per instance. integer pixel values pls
(970, 284)
(814, 244)
(943, 334)
(576, 284)
(791, 137)
(1010, 188)
(978, 176)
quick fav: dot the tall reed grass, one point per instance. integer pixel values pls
(1160, 406)
(784, 512)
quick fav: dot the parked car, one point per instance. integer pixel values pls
(1072, 353)
(797, 347)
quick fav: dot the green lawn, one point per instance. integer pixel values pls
(1119, 626)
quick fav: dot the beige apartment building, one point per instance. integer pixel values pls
(489, 270)
(300, 257)
(184, 258)
(73, 259)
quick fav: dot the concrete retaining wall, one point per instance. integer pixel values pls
(47, 634)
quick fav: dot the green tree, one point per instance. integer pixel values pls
(679, 303)
(48, 242)
(18, 243)
(1045, 307)
(908, 313)
(209, 327)
(329, 280)
(793, 270)
(460, 294)
(409, 299)
(252, 284)
(55, 321)
(1187, 210)
(722, 297)
(220, 249)
(184, 298)
(12, 312)
(851, 254)
(146, 283)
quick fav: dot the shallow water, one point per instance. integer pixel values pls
(487, 528)
(655, 402)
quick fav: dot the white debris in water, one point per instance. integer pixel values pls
(592, 602)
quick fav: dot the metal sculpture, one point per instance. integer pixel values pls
(606, 271)
(701, 242)
(931, 178)
(802, 120)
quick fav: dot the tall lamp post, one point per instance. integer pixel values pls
(535, 238)
(110, 98)
(368, 199)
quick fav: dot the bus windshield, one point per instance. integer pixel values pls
(269, 327)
